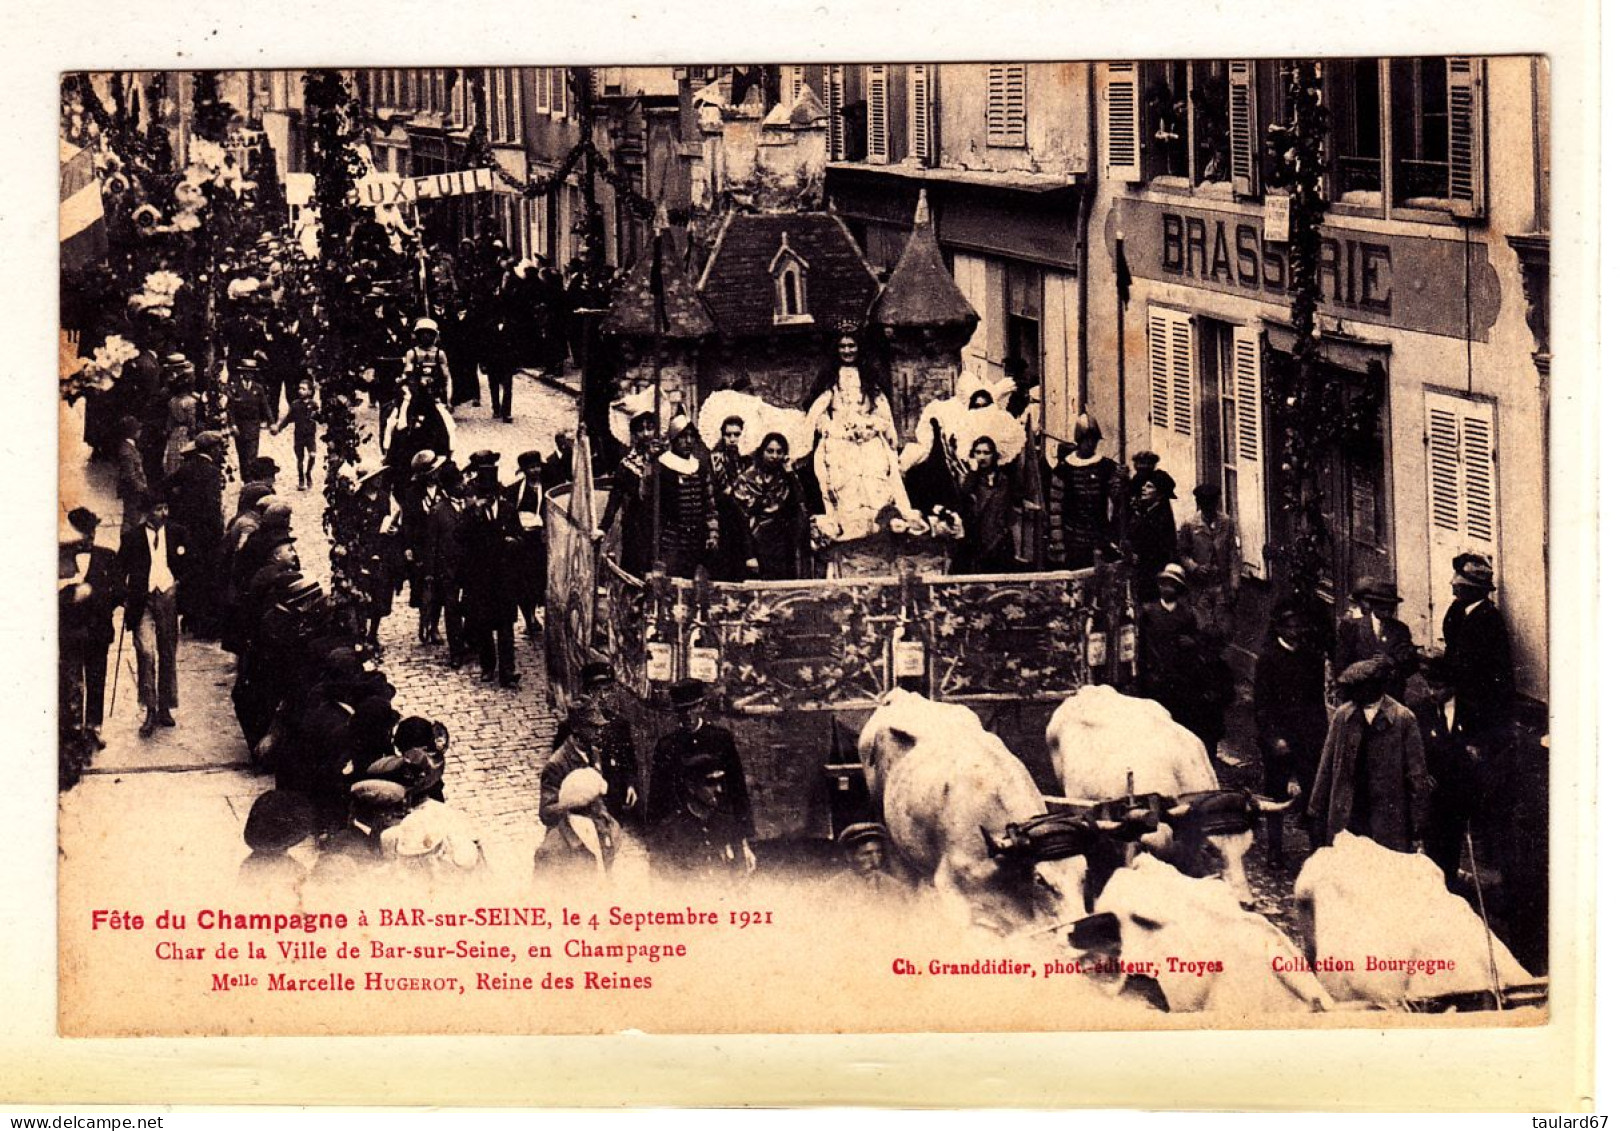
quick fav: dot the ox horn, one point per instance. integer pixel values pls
(1264, 806)
(1176, 812)
(1109, 826)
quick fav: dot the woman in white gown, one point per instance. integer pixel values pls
(856, 460)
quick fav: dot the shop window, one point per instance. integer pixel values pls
(1355, 140)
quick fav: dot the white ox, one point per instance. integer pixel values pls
(1207, 952)
(1385, 929)
(1100, 739)
(941, 781)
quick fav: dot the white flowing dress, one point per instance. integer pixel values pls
(856, 461)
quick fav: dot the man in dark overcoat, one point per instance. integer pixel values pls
(489, 537)
(1372, 780)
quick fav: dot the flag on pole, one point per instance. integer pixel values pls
(83, 228)
(1122, 270)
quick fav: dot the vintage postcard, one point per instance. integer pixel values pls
(769, 548)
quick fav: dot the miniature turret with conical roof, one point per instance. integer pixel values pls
(927, 320)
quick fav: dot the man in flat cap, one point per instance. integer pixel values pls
(527, 496)
(866, 875)
(698, 814)
(1372, 779)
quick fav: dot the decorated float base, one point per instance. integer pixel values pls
(797, 666)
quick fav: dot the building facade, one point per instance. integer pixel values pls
(1437, 186)
(1002, 150)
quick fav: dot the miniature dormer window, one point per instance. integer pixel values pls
(788, 270)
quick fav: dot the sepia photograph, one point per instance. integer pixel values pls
(805, 548)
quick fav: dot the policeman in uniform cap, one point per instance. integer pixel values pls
(698, 813)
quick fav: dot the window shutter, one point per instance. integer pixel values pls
(542, 90)
(1240, 88)
(496, 93)
(795, 84)
(1463, 514)
(1250, 456)
(922, 149)
(835, 113)
(1124, 123)
(1004, 106)
(1171, 395)
(559, 91)
(1158, 335)
(877, 115)
(1465, 103)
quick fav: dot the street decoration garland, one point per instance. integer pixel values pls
(1316, 411)
(332, 117)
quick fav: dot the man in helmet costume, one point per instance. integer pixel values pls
(1086, 493)
(425, 356)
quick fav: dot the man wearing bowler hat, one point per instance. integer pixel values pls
(698, 813)
(1371, 629)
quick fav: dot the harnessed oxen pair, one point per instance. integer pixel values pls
(965, 813)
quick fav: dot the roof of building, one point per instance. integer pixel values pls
(921, 292)
(741, 292)
(630, 310)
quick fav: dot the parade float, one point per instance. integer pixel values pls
(796, 666)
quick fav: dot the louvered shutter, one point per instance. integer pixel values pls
(1461, 438)
(1465, 112)
(496, 93)
(795, 84)
(922, 148)
(559, 91)
(542, 90)
(1171, 397)
(1240, 91)
(835, 113)
(1123, 124)
(1250, 456)
(877, 115)
(1005, 106)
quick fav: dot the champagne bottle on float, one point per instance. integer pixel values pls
(660, 646)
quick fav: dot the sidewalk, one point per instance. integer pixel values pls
(180, 797)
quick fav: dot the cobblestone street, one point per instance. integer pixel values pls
(499, 737)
